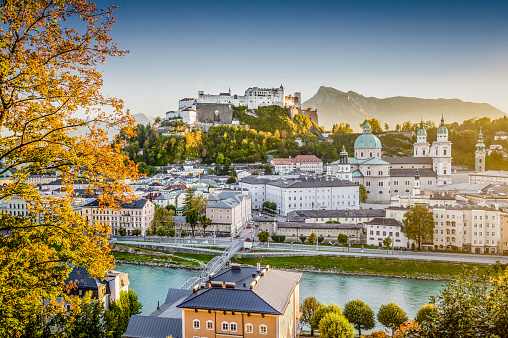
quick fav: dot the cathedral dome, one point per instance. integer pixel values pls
(442, 128)
(421, 131)
(368, 141)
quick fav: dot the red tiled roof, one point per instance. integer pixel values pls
(306, 158)
(281, 161)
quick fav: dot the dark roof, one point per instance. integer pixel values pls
(139, 204)
(408, 160)
(441, 197)
(412, 172)
(80, 276)
(300, 182)
(298, 215)
(153, 327)
(175, 294)
(303, 225)
(385, 221)
(59, 182)
(270, 296)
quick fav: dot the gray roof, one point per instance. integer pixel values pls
(303, 225)
(412, 172)
(298, 215)
(153, 327)
(441, 197)
(80, 276)
(270, 296)
(408, 160)
(139, 204)
(386, 221)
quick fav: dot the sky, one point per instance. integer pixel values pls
(427, 49)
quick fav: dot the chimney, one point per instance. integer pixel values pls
(259, 267)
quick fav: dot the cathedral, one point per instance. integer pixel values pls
(384, 177)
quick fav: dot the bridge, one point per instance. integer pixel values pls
(215, 264)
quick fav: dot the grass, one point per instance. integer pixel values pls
(199, 257)
(383, 266)
(129, 257)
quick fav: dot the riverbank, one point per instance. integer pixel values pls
(356, 266)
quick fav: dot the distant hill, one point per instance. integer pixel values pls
(335, 106)
(143, 119)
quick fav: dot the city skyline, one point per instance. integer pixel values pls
(419, 49)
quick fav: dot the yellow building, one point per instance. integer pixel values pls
(236, 302)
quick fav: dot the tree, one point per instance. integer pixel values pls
(391, 316)
(122, 232)
(375, 126)
(263, 236)
(320, 312)
(161, 231)
(303, 238)
(172, 232)
(342, 239)
(387, 242)
(387, 127)
(205, 222)
(426, 313)
(220, 158)
(189, 199)
(119, 312)
(363, 194)
(334, 325)
(50, 51)
(312, 238)
(307, 308)
(360, 315)
(89, 322)
(199, 204)
(191, 218)
(268, 170)
(161, 218)
(419, 224)
(136, 232)
(171, 207)
(184, 233)
(320, 239)
(231, 180)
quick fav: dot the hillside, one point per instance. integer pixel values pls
(335, 106)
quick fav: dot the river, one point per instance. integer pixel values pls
(152, 283)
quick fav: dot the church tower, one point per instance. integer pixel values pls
(441, 153)
(417, 188)
(479, 164)
(421, 147)
(343, 157)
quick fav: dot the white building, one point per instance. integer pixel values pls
(490, 177)
(186, 115)
(380, 228)
(229, 212)
(307, 163)
(500, 135)
(304, 193)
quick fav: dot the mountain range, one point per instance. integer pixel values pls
(335, 106)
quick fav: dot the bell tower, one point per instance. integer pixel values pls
(479, 163)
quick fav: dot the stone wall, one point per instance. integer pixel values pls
(214, 112)
(311, 114)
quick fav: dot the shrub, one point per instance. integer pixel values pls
(320, 239)
(278, 238)
(303, 238)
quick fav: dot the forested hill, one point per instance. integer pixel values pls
(334, 105)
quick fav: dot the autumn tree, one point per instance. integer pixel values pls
(312, 238)
(52, 120)
(391, 316)
(426, 313)
(374, 124)
(419, 224)
(307, 308)
(263, 236)
(334, 325)
(321, 312)
(360, 315)
(161, 218)
(205, 222)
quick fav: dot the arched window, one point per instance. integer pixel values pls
(195, 323)
(263, 329)
(209, 325)
(249, 328)
(480, 160)
(225, 326)
(232, 327)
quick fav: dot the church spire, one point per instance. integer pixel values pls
(480, 146)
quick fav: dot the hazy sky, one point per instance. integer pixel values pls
(429, 49)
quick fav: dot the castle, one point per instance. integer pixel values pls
(384, 177)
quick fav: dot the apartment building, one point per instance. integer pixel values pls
(491, 177)
(229, 211)
(135, 215)
(308, 163)
(380, 228)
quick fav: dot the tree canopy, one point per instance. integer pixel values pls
(419, 224)
(360, 315)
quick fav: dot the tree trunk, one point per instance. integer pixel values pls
(359, 332)
(312, 332)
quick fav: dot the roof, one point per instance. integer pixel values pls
(307, 158)
(408, 160)
(357, 173)
(303, 225)
(270, 296)
(412, 172)
(153, 327)
(282, 161)
(442, 196)
(374, 160)
(385, 221)
(138, 204)
(367, 141)
(299, 215)
(80, 276)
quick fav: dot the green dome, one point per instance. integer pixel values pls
(442, 128)
(480, 146)
(343, 152)
(368, 141)
(421, 131)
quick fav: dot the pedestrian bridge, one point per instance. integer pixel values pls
(214, 265)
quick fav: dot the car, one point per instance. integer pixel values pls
(248, 226)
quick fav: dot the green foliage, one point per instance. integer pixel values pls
(375, 126)
(360, 315)
(89, 322)
(184, 233)
(119, 313)
(162, 218)
(419, 224)
(391, 315)
(426, 313)
(136, 232)
(387, 242)
(268, 170)
(122, 231)
(342, 239)
(307, 308)
(363, 194)
(278, 238)
(320, 312)
(334, 325)
(303, 238)
(320, 239)
(312, 238)
(144, 168)
(172, 232)
(191, 218)
(189, 198)
(161, 231)
(231, 180)
(263, 236)
(205, 222)
(171, 207)
(270, 205)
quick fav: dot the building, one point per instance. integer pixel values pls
(500, 135)
(329, 231)
(186, 115)
(503, 241)
(229, 211)
(307, 163)
(479, 164)
(135, 215)
(380, 228)
(341, 168)
(236, 302)
(491, 177)
(358, 216)
(302, 193)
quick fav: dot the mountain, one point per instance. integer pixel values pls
(143, 119)
(335, 106)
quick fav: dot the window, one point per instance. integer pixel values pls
(232, 327)
(209, 325)
(263, 329)
(225, 326)
(195, 323)
(249, 328)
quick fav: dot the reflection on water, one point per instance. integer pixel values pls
(152, 283)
